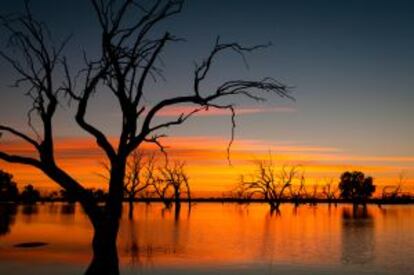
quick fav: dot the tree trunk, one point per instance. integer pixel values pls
(106, 226)
(105, 255)
(274, 207)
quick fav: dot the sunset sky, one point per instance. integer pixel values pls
(350, 65)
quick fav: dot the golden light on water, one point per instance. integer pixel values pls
(221, 235)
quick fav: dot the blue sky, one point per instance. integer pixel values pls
(350, 63)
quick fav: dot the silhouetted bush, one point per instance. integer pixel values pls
(356, 187)
(29, 195)
(8, 188)
(67, 196)
(99, 194)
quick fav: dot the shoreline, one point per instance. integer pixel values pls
(311, 201)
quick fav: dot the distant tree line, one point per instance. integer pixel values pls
(149, 179)
(10, 193)
(146, 178)
(29, 194)
(275, 184)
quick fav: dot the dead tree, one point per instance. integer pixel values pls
(162, 191)
(241, 192)
(330, 191)
(139, 176)
(174, 176)
(270, 184)
(298, 193)
(170, 183)
(128, 57)
(392, 192)
(313, 197)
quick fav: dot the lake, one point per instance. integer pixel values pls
(215, 238)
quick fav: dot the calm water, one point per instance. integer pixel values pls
(216, 239)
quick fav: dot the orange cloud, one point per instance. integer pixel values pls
(207, 164)
(177, 110)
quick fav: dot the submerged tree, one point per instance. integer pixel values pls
(356, 187)
(170, 182)
(392, 192)
(240, 192)
(128, 56)
(329, 191)
(8, 188)
(174, 177)
(29, 194)
(139, 177)
(270, 183)
(298, 193)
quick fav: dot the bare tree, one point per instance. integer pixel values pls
(298, 192)
(311, 196)
(391, 192)
(129, 52)
(162, 191)
(269, 183)
(171, 182)
(241, 192)
(139, 176)
(330, 191)
(174, 176)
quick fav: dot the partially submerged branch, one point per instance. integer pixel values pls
(270, 183)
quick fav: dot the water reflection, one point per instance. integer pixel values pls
(132, 246)
(67, 209)
(30, 209)
(221, 235)
(358, 235)
(7, 217)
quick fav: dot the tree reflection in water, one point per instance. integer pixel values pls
(358, 236)
(7, 217)
(30, 209)
(67, 209)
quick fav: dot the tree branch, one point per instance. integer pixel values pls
(19, 134)
(20, 160)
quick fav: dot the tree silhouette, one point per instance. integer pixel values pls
(98, 194)
(329, 191)
(162, 191)
(8, 188)
(67, 196)
(240, 192)
(29, 194)
(129, 52)
(139, 176)
(392, 192)
(270, 183)
(356, 187)
(173, 176)
(298, 193)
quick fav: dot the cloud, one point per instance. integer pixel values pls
(178, 110)
(206, 157)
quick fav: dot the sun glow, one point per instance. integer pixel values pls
(210, 172)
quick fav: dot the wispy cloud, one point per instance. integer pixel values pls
(177, 110)
(207, 160)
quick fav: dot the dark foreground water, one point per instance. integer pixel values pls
(215, 239)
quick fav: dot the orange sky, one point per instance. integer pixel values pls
(207, 165)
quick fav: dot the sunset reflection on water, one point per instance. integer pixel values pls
(213, 237)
